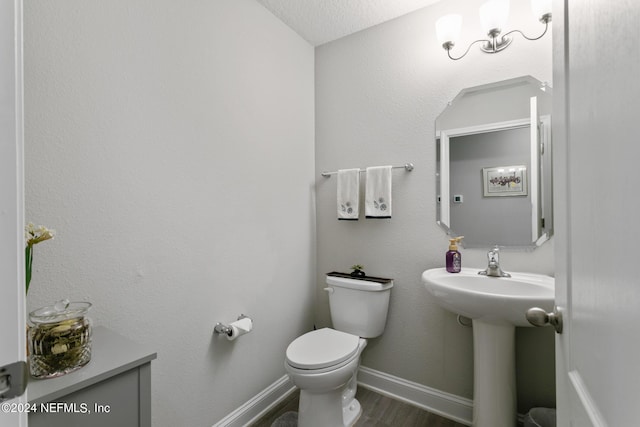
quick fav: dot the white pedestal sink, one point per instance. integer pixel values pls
(496, 306)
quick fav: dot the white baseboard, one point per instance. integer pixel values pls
(259, 405)
(447, 405)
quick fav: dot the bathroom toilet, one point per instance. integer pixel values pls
(324, 363)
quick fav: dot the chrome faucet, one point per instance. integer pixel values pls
(493, 269)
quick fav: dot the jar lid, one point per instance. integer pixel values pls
(61, 310)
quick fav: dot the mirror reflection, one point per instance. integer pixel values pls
(493, 163)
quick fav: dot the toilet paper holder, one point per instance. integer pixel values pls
(222, 328)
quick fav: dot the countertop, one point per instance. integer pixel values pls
(111, 354)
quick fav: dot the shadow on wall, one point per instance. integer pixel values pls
(535, 368)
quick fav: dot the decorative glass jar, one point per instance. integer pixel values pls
(59, 339)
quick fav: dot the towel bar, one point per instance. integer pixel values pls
(407, 166)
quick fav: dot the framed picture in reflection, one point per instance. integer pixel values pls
(501, 181)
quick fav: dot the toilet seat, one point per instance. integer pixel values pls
(321, 349)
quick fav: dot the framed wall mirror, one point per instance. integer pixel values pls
(493, 165)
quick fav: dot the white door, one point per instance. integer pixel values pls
(12, 298)
(597, 88)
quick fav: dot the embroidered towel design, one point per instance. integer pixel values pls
(377, 202)
(348, 194)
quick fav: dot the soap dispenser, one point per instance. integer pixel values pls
(454, 258)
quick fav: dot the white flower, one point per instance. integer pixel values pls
(35, 235)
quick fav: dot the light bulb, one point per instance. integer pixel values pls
(448, 28)
(494, 14)
(541, 8)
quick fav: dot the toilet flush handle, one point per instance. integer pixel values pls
(329, 290)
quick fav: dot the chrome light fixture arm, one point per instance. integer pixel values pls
(496, 43)
(449, 45)
(546, 28)
(448, 29)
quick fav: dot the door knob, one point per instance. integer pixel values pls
(538, 317)
(13, 380)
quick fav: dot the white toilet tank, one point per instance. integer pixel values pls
(358, 306)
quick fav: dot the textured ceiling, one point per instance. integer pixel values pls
(321, 21)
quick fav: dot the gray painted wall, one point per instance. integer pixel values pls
(378, 93)
(489, 219)
(171, 146)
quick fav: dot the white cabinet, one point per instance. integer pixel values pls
(114, 389)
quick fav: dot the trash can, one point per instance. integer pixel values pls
(540, 417)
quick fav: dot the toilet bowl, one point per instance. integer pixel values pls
(324, 363)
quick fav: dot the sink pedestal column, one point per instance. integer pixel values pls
(494, 375)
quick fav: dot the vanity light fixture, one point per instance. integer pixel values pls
(493, 16)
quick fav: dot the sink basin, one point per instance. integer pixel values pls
(491, 299)
(496, 306)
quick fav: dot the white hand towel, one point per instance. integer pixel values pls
(348, 194)
(377, 203)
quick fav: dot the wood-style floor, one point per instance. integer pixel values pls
(377, 411)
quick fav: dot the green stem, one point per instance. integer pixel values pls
(28, 257)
